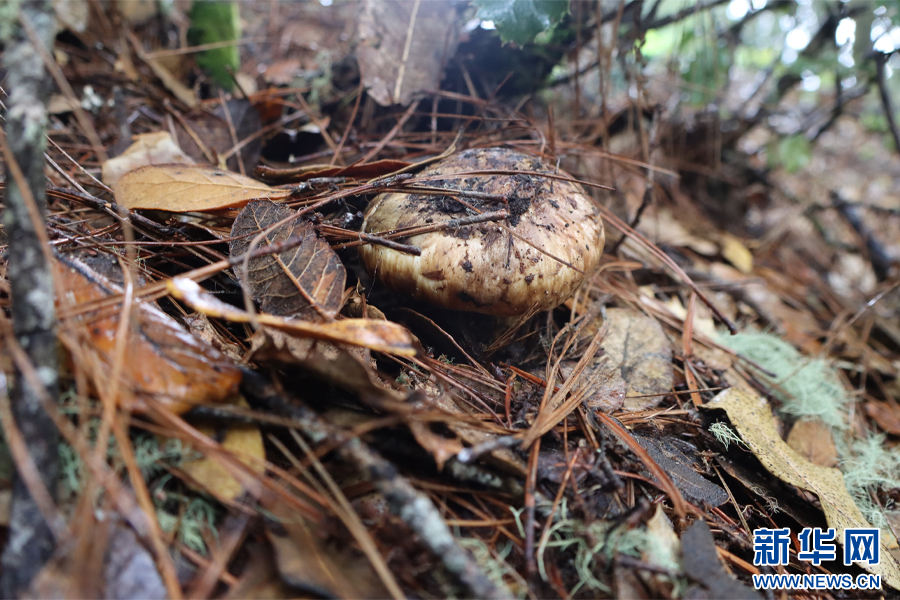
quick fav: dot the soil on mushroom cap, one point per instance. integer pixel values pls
(520, 189)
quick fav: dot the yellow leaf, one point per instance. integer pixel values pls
(246, 442)
(188, 188)
(751, 416)
(736, 253)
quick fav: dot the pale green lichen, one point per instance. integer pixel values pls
(807, 387)
(9, 16)
(725, 434)
(810, 387)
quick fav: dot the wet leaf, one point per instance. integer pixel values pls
(188, 188)
(148, 149)
(306, 559)
(751, 417)
(521, 21)
(162, 360)
(403, 47)
(382, 336)
(679, 467)
(306, 281)
(245, 441)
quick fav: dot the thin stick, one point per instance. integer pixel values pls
(409, 36)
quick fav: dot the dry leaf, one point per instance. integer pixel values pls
(404, 46)
(148, 149)
(345, 367)
(306, 559)
(812, 439)
(214, 132)
(285, 284)
(736, 253)
(162, 360)
(188, 188)
(751, 417)
(245, 441)
(635, 349)
(382, 336)
(886, 415)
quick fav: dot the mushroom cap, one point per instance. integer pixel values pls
(499, 268)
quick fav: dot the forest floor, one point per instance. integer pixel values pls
(293, 426)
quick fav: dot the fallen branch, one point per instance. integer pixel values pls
(30, 544)
(416, 510)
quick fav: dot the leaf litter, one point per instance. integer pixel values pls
(570, 461)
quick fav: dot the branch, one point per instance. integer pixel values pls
(416, 510)
(31, 541)
(880, 61)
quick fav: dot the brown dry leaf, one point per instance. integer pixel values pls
(148, 149)
(162, 360)
(886, 415)
(282, 72)
(245, 441)
(296, 174)
(751, 417)
(812, 439)
(382, 336)
(404, 46)
(200, 326)
(306, 560)
(184, 94)
(214, 132)
(306, 281)
(608, 397)
(637, 351)
(344, 366)
(188, 188)
(260, 579)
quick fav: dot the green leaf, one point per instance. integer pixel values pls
(793, 153)
(520, 21)
(211, 22)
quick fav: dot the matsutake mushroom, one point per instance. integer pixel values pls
(545, 239)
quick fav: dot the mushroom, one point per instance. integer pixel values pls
(550, 241)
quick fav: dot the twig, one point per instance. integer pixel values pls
(878, 255)
(416, 510)
(30, 543)
(406, 47)
(880, 61)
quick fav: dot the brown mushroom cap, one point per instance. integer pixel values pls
(483, 267)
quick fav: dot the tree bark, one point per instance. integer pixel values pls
(28, 85)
